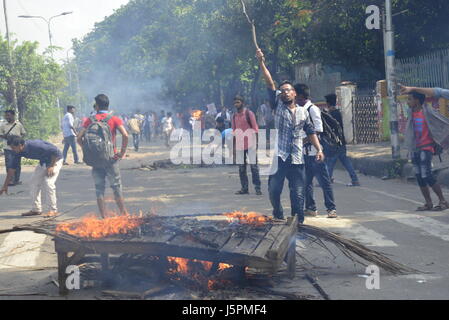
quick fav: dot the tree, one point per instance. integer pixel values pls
(38, 79)
(191, 52)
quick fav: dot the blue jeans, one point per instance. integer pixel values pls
(70, 142)
(341, 154)
(422, 164)
(244, 175)
(136, 141)
(295, 176)
(318, 170)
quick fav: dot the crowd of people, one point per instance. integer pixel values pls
(310, 140)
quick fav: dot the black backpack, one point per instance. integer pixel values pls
(332, 136)
(98, 149)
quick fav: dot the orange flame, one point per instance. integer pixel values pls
(92, 227)
(197, 114)
(252, 218)
(182, 265)
(223, 266)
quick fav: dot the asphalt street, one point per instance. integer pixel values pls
(379, 214)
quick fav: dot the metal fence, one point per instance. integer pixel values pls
(365, 119)
(429, 70)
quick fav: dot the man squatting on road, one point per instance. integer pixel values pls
(43, 181)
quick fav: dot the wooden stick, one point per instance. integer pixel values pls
(317, 287)
(252, 24)
(155, 290)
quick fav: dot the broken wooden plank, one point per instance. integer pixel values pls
(269, 239)
(279, 247)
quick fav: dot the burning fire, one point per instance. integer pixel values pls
(252, 218)
(183, 266)
(197, 114)
(197, 270)
(92, 227)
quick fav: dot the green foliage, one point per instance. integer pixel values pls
(201, 50)
(38, 79)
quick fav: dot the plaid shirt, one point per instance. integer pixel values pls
(290, 132)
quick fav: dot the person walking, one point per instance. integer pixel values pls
(340, 153)
(12, 127)
(135, 125)
(69, 133)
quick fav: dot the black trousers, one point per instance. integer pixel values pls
(9, 158)
(244, 175)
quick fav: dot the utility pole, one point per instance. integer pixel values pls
(11, 79)
(48, 21)
(391, 80)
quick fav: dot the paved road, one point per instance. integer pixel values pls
(380, 214)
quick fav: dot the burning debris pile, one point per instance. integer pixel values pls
(203, 254)
(213, 237)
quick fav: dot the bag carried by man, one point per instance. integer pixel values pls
(332, 135)
(98, 148)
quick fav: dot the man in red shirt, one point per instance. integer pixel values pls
(422, 155)
(112, 171)
(245, 129)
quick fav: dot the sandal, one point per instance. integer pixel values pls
(426, 207)
(441, 206)
(31, 214)
(51, 214)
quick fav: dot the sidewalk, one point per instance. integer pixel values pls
(375, 160)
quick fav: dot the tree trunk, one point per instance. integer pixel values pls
(254, 101)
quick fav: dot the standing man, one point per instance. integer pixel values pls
(315, 168)
(425, 129)
(43, 181)
(12, 127)
(341, 152)
(134, 126)
(111, 170)
(245, 129)
(291, 121)
(167, 128)
(69, 132)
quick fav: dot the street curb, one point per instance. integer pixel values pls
(379, 167)
(388, 168)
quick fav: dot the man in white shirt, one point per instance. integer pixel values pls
(69, 132)
(313, 167)
(12, 127)
(167, 128)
